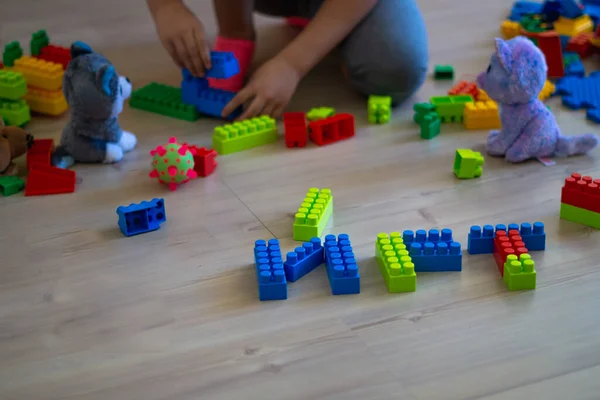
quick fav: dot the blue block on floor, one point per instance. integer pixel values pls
(270, 274)
(534, 236)
(341, 265)
(141, 218)
(433, 252)
(224, 65)
(304, 259)
(481, 241)
(208, 101)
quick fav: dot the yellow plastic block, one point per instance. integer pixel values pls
(595, 42)
(46, 102)
(313, 214)
(482, 95)
(573, 27)
(547, 91)
(510, 29)
(395, 264)
(482, 115)
(40, 74)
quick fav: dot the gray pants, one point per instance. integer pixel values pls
(386, 54)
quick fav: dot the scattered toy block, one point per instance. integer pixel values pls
(580, 92)
(547, 91)
(570, 9)
(143, 217)
(510, 29)
(204, 160)
(15, 113)
(550, 45)
(581, 44)
(10, 185)
(40, 73)
(12, 85)
(196, 91)
(430, 126)
(451, 108)
(40, 152)
(341, 265)
(46, 102)
(379, 109)
(270, 274)
(443, 72)
(482, 95)
(573, 65)
(56, 54)
(521, 8)
(533, 236)
(318, 113)
(464, 87)
(468, 164)
(296, 130)
(519, 272)
(433, 252)
(332, 129)
(244, 135)
(45, 180)
(164, 100)
(582, 192)
(580, 215)
(12, 52)
(303, 259)
(481, 241)
(39, 40)
(422, 110)
(533, 23)
(482, 115)
(395, 264)
(313, 214)
(505, 244)
(573, 27)
(224, 65)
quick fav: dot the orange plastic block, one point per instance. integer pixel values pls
(510, 29)
(547, 91)
(464, 87)
(40, 74)
(482, 115)
(46, 102)
(573, 27)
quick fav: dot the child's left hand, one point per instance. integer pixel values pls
(268, 91)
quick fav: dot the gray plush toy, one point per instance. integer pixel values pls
(95, 93)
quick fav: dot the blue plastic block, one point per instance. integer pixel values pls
(521, 8)
(270, 274)
(208, 101)
(304, 259)
(534, 236)
(575, 67)
(593, 10)
(570, 9)
(342, 269)
(224, 65)
(481, 241)
(141, 218)
(564, 41)
(551, 10)
(580, 92)
(593, 115)
(433, 252)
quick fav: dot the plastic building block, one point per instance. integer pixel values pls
(534, 236)
(581, 44)
(580, 215)
(313, 214)
(573, 65)
(395, 264)
(468, 164)
(422, 110)
(482, 115)
(332, 129)
(451, 108)
(173, 164)
(224, 65)
(379, 109)
(270, 274)
(46, 102)
(532, 23)
(208, 101)
(510, 29)
(464, 87)
(44, 180)
(443, 72)
(164, 100)
(15, 113)
(341, 266)
(519, 272)
(573, 27)
(56, 54)
(430, 126)
(10, 185)
(40, 73)
(144, 217)
(12, 85)
(433, 252)
(481, 241)
(296, 131)
(482, 96)
(580, 92)
(38, 41)
(521, 8)
(582, 192)
(318, 113)
(12, 52)
(204, 160)
(244, 135)
(505, 244)
(40, 152)
(547, 91)
(570, 9)
(303, 259)
(551, 46)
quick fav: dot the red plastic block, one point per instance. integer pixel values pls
(40, 152)
(549, 43)
(581, 44)
(332, 129)
(296, 132)
(56, 54)
(506, 244)
(44, 179)
(464, 87)
(582, 192)
(204, 160)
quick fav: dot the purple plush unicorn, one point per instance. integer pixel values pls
(514, 79)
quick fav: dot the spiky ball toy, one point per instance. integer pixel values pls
(173, 163)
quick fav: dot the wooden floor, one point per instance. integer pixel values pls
(88, 314)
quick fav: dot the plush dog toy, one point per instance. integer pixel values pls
(95, 93)
(14, 142)
(514, 79)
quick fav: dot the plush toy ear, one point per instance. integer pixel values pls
(103, 77)
(79, 48)
(504, 54)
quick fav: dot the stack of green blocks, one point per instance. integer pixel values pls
(13, 88)
(244, 135)
(395, 264)
(313, 214)
(428, 119)
(468, 164)
(379, 109)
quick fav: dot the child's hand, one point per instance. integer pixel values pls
(183, 36)
(268, 92)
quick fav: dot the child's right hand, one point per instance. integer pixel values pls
(182, 35)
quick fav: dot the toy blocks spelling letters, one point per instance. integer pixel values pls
(379, 109)
(270, 274)
(433, 252)
(40, 73)
(468, 164)
(244, 135)
(395, 264)
(296, 131)
(341, 265)
(164, 100)
(144, 217)
(481, 241)
(303, 259)
(332, 129)
(313, 214)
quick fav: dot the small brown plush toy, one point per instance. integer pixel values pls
(14, 142)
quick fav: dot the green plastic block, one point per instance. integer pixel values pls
(451, 108)
(580, 215)
(430, 126)
(468, 164)
(244, 135)
(12, 85)
(532, 24)
(519, 273)
(10, 185)
(164, 100)
(443, 72)
(421, 110)
(395, 264)
(379, 109)
(313, 214)
(39, 40)
(12, 52)
(318, 113)
(15, 112)
(569, 58)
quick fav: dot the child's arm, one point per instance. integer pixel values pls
(272, 86)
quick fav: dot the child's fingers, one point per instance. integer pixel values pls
(204, 50)
(182, 52)
(170, 46)
(256, 108)
(278, 112)
(269, 109)
(194, 54)
(241, 98)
